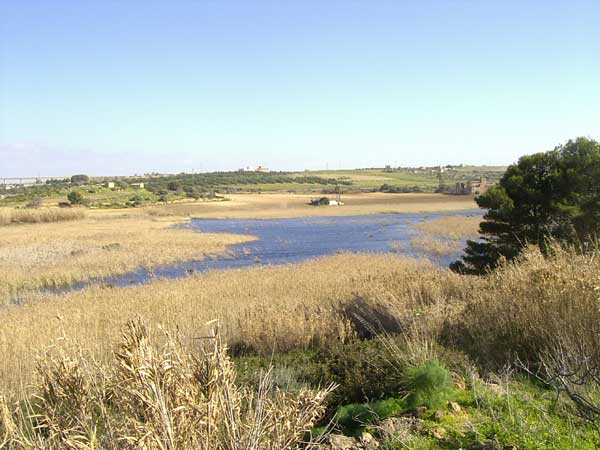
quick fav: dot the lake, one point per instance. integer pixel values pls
(286, 241)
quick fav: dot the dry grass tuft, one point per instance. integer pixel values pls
(156, 397)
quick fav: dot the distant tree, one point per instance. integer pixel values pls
(174, 186)
(80, 179)
(75, 198)
(545, 195)
(136, 200)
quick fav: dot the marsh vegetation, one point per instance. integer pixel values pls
(346, 351)
(322, 319)
(46, 255)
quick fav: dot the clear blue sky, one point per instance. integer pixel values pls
(117, 87)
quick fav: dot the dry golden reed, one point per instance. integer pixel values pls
(263, 309)
(445, 235)
(10, 216)
(534, 305)
(155, 397)
(451, 227)
(43, 255)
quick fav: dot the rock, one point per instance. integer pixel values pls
(496, 389)
(400, 427)
(417, 412)
(368, 442)
(438, 433)
(341, 442)
(437, 416)
(453, 406)
(510, 447)
(478, 445)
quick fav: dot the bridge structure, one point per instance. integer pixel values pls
(26, 181)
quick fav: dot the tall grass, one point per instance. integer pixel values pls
(34, 256)
(262, 309)
(9, 216)
(157, 398)
(522, 313)
(451, 227)
(533, 305)
(445, 235)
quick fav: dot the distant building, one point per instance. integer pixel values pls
(479, 187)
(476, 187)
(137, 185)
(250, 169)
(461, 189)
(110, 184)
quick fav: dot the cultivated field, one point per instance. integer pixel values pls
(277, 206)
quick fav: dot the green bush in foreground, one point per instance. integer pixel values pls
(429, 385)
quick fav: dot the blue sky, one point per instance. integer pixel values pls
(121, 87)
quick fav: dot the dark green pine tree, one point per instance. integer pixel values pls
(545, 195)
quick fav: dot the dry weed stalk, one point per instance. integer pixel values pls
(156, 398)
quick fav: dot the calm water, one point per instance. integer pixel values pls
(283, 241)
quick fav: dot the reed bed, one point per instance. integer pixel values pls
(10, 216)
(533, 306)
(451, 227)
(444, 235)
(263, 309)
(525, 309)
(436, 246)
(34, 256)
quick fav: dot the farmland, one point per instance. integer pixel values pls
(218, 186)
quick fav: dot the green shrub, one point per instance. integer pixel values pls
(361, 368)
(75, 198)
(429, 385)
(351, 419)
